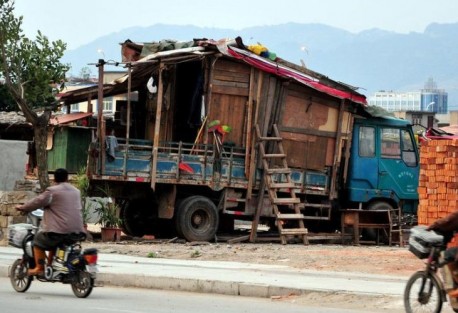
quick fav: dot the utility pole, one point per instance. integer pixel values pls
(100, 119)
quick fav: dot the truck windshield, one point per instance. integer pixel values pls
(408, 151)
(391, 143)
(397, 144)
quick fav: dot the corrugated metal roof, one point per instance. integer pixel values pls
(142, 69)
(67, 118)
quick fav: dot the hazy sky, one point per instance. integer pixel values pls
(77, 22)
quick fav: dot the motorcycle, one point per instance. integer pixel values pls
(426, 290)
(69, 264)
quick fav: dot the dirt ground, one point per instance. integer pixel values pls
(326, 256)
(366, 258)
(396, 261)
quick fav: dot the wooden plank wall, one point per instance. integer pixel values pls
(230, 91)
(308, 123)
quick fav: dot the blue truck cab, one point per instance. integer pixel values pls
(384, 165)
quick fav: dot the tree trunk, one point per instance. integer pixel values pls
(41, 137)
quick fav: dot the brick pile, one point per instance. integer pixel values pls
(438, 181)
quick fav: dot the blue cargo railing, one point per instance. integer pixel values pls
(198, 164)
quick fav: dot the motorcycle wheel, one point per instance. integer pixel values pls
(422, 294)
(18, 276)
(82, 284)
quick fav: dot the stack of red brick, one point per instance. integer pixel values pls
(438, 183)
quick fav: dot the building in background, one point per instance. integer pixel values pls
(421, 120)
(109, 104)
(435, 98)
(430, 99)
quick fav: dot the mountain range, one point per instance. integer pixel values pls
(372, 60)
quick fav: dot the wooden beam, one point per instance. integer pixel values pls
(337, 150)
(250, 171)
(157, 126)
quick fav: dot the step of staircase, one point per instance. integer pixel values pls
(292, 216)
(294, 231)
(286, 201)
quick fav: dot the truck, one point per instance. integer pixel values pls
(212, 132)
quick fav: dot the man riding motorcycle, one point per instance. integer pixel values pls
(62, 215)
(447, 226)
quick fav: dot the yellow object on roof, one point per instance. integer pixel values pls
(257, 49)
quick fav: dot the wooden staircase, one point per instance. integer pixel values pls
(286, 206)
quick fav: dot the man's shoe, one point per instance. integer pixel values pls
(39, 270)
(40, 256)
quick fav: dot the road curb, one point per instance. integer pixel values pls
(193, 285)
(199, 285)
(216, 285)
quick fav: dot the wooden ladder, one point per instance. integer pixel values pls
(287, 209)
(395, 231)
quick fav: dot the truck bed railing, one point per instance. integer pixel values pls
(132, 160)
(201, 163)
(195, 164)
(177, 162)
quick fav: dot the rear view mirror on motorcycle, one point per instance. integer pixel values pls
(35, 217)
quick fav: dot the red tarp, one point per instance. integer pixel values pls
(274, 68)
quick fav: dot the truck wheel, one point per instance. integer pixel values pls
(371, 234)
(197, 219)
(180, 208)
(136, 221)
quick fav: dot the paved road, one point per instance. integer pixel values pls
(46, 297)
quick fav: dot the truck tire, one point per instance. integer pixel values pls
(371, 234)
(197, 219)
(136, 221)
(179, 208)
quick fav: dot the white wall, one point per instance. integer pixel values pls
(13, 159)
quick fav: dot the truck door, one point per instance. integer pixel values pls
(363, 168)
(398, 171)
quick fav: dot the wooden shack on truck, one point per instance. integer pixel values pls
(218, 133)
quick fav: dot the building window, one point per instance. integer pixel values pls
(75, 107)
(108, 104)
(416, 119)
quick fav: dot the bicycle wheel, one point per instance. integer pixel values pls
(422, 294)
(18, 276)
(82, 284)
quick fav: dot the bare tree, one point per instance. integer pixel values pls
(33, 75)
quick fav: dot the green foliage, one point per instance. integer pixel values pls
(153, 255)
(7, 103)
(108, 210)
(31, 68)
(196, 254)
(82, 183)
(108, 214)
(33, 74)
